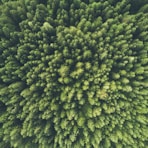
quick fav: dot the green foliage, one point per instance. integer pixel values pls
(73, 74)
(136, 5)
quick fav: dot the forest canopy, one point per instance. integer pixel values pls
(73, 73)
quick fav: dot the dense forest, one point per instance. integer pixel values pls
(73, 73)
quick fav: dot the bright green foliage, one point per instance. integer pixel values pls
(73, 74)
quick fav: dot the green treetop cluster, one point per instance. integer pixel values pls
(73, 74)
